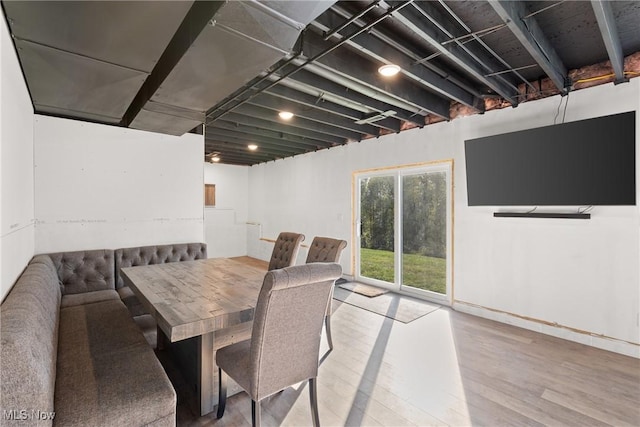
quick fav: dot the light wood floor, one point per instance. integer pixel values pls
(446, 368)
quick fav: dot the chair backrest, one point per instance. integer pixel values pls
(287, 324)
(285, 250)
(325, 249)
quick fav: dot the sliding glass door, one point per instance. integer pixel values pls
(403, 226)
(377, 231)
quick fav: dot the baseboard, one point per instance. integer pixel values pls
(559, 331)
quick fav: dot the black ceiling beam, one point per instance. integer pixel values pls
(324, 85)
(239, 141)
(296, 122)
(238, 163)
(252, 130)
(275, 103)
(246, 139)
(194, 22)
(215, 142)
(383, 52)
(351, 64)
(224, 152)
(249, 120)
(230, 160)
(215, 146)
(610, 37)
(219, 145)
(237, 159)
(472, 61)
(533, 39)
(322, 104)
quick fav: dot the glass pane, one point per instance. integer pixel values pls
(424, 231)
(377, 228)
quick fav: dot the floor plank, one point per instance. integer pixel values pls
(446, 368)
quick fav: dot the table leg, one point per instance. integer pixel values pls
(206, 389)
(160, 339)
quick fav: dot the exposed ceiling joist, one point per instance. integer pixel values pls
(468, 58)
(228, 149)
(385, 53)
(245, 139)
(250, 120)
(533, 39)
(278, 104)
(229, 145)
(252, 130)
(610, 37)
(353, 96)
(321, 103)
(240, 160)
(297, 122)
(354, 66)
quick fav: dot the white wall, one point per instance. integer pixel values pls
(576, 279)
(100, 186)
(16, 167)
(226, 223)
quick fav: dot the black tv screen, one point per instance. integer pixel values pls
(583, 163)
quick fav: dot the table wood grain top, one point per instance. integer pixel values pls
(192, 298)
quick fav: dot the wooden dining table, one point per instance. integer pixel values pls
(199, 306)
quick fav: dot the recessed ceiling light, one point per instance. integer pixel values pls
(389, 70)
(285, 115)
(252, 147)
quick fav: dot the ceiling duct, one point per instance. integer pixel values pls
(86, 59)
(243, 39)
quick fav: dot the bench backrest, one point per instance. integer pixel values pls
(84, 271)
(158, 254)
(29, 319)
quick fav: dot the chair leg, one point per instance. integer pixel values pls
(327, 326)
(313, 397)
(255, 413)
(222, 393)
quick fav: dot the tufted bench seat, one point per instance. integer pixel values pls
(69, 347)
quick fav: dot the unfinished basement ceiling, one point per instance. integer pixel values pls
(170, 66)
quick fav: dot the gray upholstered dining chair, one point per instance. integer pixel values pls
(285, 250)
(285, 338)
(326, 249)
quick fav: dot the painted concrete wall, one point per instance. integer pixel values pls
(226, 223)
(16, 167)
(102, 186)
(556, 276)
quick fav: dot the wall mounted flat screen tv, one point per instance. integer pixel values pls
(583, 163)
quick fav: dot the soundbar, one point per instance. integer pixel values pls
(542, 215)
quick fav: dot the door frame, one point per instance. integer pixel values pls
(399, 171)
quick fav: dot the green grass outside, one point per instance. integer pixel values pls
(418, 271)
